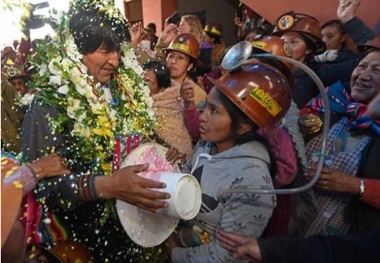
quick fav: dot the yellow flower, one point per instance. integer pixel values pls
(100, 149)
(106, 167)
(104, 127)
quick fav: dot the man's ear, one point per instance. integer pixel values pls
(244, 128)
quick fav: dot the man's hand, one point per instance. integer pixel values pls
(335, 180)
(125, 184)
(347, 10)
(49, 166)
(242, 247)
(309, 123)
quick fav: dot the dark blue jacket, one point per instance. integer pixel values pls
(322, 249)
(329, 73)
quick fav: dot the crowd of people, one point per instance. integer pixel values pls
(76, 103)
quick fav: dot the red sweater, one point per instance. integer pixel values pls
(371, 194)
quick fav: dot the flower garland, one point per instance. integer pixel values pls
(92, 121)
(89, 122)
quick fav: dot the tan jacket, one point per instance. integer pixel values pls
(170, 125)
(11, 117)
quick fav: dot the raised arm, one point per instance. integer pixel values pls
(354, 26)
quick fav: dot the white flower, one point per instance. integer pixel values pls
(81, 117)
(66, 64)
(42, 70)
(72, 106)
(80, 129)
(151, 113)
(83, 68)
(81, 84)
(113, 115)
(63, 89)
(129, 59)
(52, 66)
(27, 99)
(72, 52)
(55, 80)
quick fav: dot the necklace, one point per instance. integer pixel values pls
(92, 121)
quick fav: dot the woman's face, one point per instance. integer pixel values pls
(101, 64)
(297, 44)
(365, 79)
(215, 123)
(184, 27)
(151, 79)
(179, 64)
(332, 37)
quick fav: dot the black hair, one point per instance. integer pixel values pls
(364, 53)
(237, 117)
(161, 72)
(92, 28)
(309, 58)
(334, 22)
(217, 39)
(152, 26)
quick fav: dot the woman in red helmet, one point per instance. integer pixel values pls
(182, 58)
(175, 25)
(347, 192)
(360, 33)
(303, 34)
(231, 155)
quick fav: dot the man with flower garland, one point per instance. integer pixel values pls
(92, 98)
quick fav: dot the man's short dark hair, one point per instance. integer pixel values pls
(92, 28)
(152, 26)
